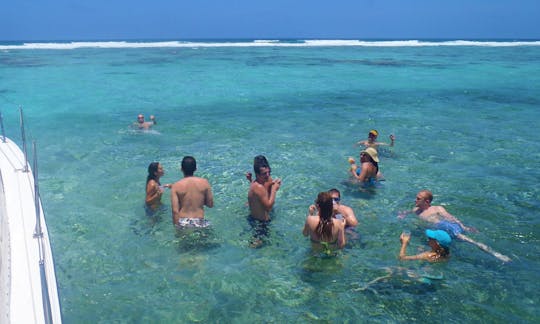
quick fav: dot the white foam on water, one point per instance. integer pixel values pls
(262, 43)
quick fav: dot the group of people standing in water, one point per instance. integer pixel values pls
(328, 223)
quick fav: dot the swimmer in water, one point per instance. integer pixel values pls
(443, 220)
(439, 242)
(325, 231)
(372, 140)
(154, 189)
(341, 212)
(260, 160)
(189, 196)
(141, 124)
(368, 172)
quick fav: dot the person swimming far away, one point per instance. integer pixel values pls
(142, 124)
(372, 140)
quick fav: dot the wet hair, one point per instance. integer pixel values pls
(259, 162)
(428, 195)
(442, 252)
(152, 169)
(334, 190)
(326, 210)
(189, 165)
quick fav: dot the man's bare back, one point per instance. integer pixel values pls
(433, 214)
(190, 194)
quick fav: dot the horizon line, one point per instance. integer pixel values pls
(208, 43)
(85, 39)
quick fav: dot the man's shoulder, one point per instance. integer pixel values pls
(175, 185)
(255, 184)
(192, 180)
(257, 188)
(437, 208)
(349, 210)
(431, 210)
(201, 180)
(339, 223)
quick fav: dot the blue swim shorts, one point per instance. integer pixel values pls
(453, 229)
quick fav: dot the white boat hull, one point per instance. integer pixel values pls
(25, 261)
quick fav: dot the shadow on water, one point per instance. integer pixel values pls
(356, 190)
(196, 239)
(143, 226)
(408, 281)
(321, 266)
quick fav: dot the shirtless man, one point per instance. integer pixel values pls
(341, 211)
(438, 215)
(260, 199)
(189, 196)
(262, 161)
(443, 220)
(141, 124)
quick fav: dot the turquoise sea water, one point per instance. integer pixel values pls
(465, 118)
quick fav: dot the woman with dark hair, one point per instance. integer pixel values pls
(154, 189)
(324, 230)
(368, 172)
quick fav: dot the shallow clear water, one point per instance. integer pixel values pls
(464, 117)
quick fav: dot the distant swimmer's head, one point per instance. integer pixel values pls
(373, 133)
(440, 236)
(140, 119)
(372, 153)
(189, 165)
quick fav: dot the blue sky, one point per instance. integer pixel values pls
(270, 19)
